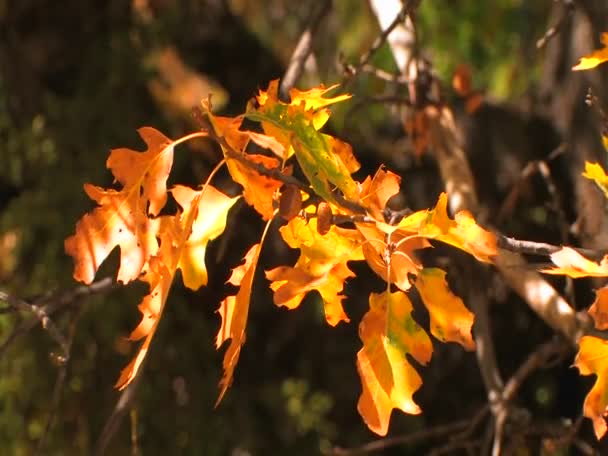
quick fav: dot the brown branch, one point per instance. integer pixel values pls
(409, 439)
(50, 305)
(59, 382)
(303, 48)
(351, 71)
(552, 31)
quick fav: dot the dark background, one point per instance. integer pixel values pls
(77, 78)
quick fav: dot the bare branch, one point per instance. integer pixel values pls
(319, 10)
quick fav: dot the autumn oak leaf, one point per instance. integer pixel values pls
(122, 216)
(592, 358)
(234, 311)
(388, 380)
(183, 241)
(451, 321)
(571, 263)
(599, 309)
(595, 58)
(322, 266)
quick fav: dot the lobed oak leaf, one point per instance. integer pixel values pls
(388, 380)
(204, 219)
(391, 255)
(595, 58)
(596, 173)
(122, 218)
(461, 232)
(325, 161)
(234, 311)
(599, 309)
(183, 240)
(375, 192)
(322, 266)
(258, 190)
(571, 263)
(451, 321)
(592, 358)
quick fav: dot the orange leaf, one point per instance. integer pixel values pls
(595, 58)
(403, 261)
(571, 263)
(321, 266)
(599, 309)
(451, 321)
(462, 232)
(183, 239)
(234, 311)
(376, 192)
(258, 190)
(388, 380)
(122, 218)
(592, 358)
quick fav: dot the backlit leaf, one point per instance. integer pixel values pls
(321, 266)
(451, 321)
(595, 58)
(596, 173)
(462, 232)
(388, 380)
(234, 311)
(571, 263)
(592, 358)
(183, 240)
(122, 216)
(599, 309)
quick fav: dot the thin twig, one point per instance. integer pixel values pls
(41, 315)
(54, 304)
(60, 382)
(407, 8)
(303, 48)
(552, 31)
(123, 405)
(409, 439)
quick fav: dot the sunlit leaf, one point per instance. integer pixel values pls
(322, 266)
(595, 58)
(599, 309)
(571, 263)
(451, 321)
(122, 216)
(388, 380)
(596, 173)
(234, 311)
(592, 358)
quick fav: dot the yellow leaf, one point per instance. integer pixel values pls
(210, 211)
(388, 380)
(451, 321)
(462, 232)
(595, 58)
(183, 239)
(571, 263)
(321, 266)
(596, 173)
(592, 358)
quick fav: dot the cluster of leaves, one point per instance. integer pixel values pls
(331, 218)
